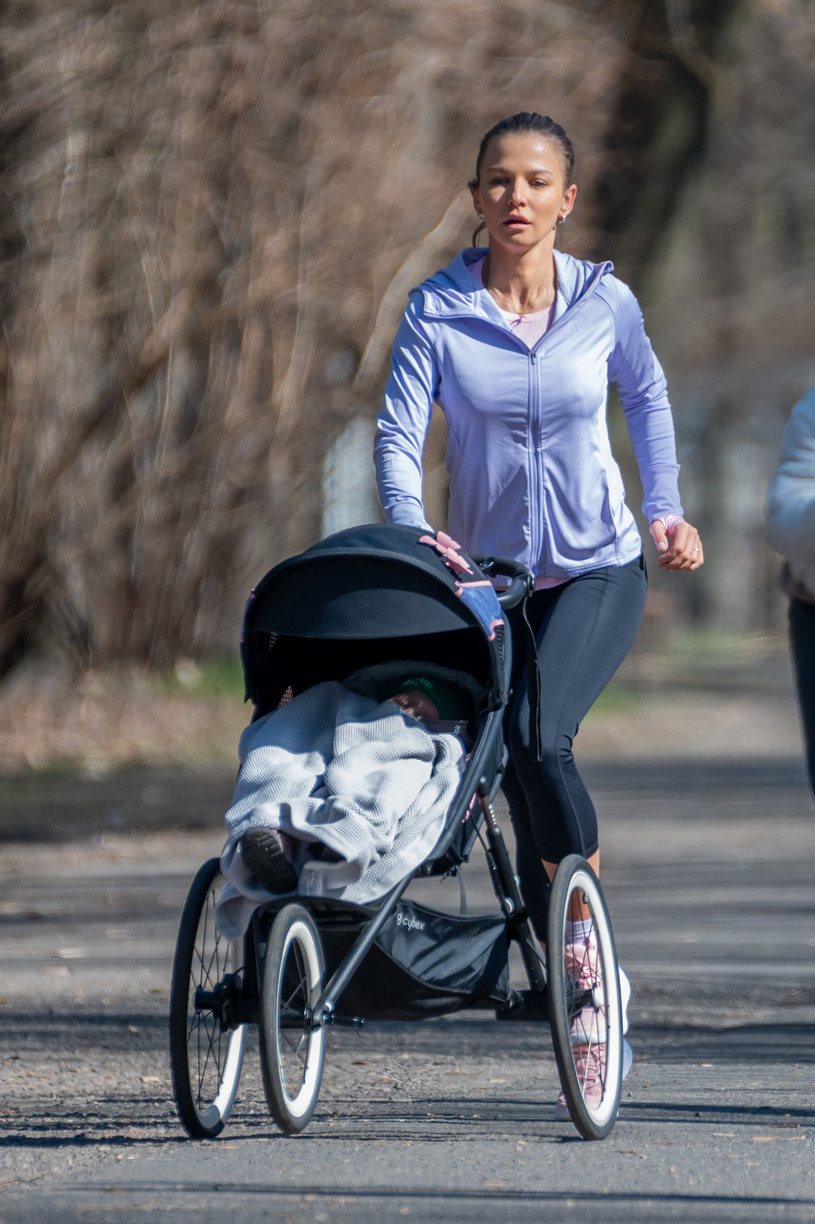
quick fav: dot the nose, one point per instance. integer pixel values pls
(517, 194)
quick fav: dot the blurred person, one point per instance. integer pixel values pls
(791, 532)
(517, 343)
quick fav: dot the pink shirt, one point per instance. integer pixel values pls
(531, 327)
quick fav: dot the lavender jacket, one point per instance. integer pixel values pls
(532, 476)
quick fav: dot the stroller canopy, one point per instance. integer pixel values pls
(371, 583)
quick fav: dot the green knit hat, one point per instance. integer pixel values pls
(447, 698)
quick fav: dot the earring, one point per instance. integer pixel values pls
(561, 219)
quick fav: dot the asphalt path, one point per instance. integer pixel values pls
(708, 869)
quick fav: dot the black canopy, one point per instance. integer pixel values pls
(372, 581)
(374, 584)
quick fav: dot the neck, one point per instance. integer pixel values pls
(525, 283)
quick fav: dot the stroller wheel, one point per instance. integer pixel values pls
(206, 1049)
(291, 1049)
(585, 1012)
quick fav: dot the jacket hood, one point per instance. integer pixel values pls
(453, 291)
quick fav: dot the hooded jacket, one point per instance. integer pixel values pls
(791, 502)
(532, 476)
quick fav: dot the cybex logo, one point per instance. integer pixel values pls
(409, 921)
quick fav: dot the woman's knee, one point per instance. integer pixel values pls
(549, 753)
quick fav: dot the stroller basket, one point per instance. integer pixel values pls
(423, 963)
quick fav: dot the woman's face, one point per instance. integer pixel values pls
(522, 190)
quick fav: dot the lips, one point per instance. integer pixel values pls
(516, 223)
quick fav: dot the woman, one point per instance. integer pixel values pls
(791, 532)
(517, 343)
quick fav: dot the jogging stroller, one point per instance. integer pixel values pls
(374, 594)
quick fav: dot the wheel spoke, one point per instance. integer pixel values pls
(208, 1044)
(292, 1040)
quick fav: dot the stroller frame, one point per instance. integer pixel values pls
(275, 976)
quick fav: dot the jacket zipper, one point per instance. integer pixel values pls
(536, 491)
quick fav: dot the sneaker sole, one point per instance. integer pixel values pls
(265, 861)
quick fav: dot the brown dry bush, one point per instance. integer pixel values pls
(205, 206)
(210, 217)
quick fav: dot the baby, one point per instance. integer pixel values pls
(430, 700)
(414, 701)
(267, 853)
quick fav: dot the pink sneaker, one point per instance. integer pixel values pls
(590, 1065)
(581, 961)
(583, 967)
(589, 1061)
(588, 1029)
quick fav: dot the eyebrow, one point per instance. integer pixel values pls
(538, 170)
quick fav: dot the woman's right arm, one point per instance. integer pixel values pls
(404, 420)
(791, 496)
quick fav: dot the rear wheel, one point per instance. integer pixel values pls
(292, 1050)
(584, 999)
(206, 1050)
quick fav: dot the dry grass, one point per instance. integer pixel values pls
(105, 720)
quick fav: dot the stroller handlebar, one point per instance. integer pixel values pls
(521, 583)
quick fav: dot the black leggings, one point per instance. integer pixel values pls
(802, 646)
(583, 630)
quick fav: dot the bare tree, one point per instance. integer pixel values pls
(211, 216)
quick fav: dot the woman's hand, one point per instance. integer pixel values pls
(448, 547)
(678, 543)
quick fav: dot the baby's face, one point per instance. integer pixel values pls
(414, 702)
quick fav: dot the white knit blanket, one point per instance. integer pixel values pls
(362, 777)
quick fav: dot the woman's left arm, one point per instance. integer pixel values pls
(643, 391)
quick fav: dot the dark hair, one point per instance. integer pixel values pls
(523, 123)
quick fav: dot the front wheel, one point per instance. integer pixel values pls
(585, 1011)
(292, 1048)
(206, 1050)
